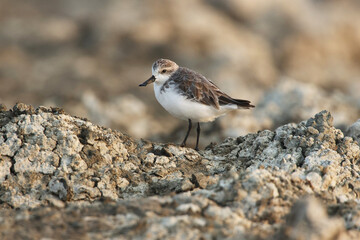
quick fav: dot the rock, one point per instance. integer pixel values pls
(57, 169)
(296, 31)
(354, 131)
(2, 108)
(62, 172)
(308, 220)
(291, 101)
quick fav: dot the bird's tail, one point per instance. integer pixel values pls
(224, 100)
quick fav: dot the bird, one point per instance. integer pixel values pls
(190, 96)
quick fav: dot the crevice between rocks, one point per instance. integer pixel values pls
(12, 167)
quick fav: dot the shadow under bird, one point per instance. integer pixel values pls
(188, 95)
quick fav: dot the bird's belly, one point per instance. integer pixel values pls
(181, 107)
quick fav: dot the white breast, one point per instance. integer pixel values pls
(183, 108)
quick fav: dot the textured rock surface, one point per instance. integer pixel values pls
(354, 131)
(64, 177)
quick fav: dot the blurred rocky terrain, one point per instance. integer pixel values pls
(63, 177)
(292, 59)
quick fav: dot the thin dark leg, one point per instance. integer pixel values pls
(197, 137)
(183, 144)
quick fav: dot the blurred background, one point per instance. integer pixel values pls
(292, 59)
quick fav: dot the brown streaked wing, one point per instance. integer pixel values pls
(196, 87)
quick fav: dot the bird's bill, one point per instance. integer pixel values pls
(150, 80)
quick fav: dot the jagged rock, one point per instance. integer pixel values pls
(57, 170)
(308, 220)
(354, 131)
(291, 101)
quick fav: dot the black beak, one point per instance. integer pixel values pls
(150, 80)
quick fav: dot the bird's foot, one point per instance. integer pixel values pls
(183, 144)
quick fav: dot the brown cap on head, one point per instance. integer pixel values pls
(164, 63)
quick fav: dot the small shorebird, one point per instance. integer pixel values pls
(188, 95)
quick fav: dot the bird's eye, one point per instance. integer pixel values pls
(163, 71)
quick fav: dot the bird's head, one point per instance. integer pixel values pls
(162, 69)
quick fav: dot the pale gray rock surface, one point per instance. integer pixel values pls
(308, 220)
(64, 177)
(292, 101)
(354, 131)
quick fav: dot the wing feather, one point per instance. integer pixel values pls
(197, 88)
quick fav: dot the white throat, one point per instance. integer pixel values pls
(160, 79)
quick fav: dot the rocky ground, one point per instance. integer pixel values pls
(65, 177)
(62, 177)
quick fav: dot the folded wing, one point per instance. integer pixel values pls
(196, 87)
